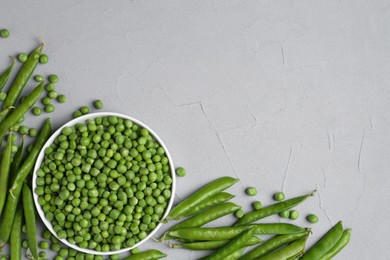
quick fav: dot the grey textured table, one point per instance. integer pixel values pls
(286, 95)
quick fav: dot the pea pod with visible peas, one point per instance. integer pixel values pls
(147, 255)
(272, 209)
(343, 242)
(16, 188)
(209, 245)
(214, 200)
(202, 194)
(207, 216)
(29, 217)
(5, 75)
(20, 110)
(325, 243)
(22, 78)
(16, 235)
(272, 244)
(292, 251)
(4, 171)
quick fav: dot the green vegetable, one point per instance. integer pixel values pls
(257, 205)
(61, 98)
(5, 76)
(38, 78)
(293, 250)
(53, 78)
(279, 196)
(16, 236)
(50, 87)
(284, 214)
(312, 218)
(239, 213)
(5, 164)
(43, 59)
(218, 198)
(4, 33)
(3, 95)
(52, 94)
(22, 57)
(49, 108)
(84, 110)
(29, 217)
(294, 214)
(147, 255)
(341, 243)
(37, 111)
(98, 104)
(210, 245)
(181, 171)
(251, 191)
(46, 101)
(44, 245)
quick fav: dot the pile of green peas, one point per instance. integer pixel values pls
(104, 184)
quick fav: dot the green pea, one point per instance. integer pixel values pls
(77, 114)
(43, 59)
(52, 94)
(22, 57)
(84, 110)
(37, 111)
(38, 78)
(294, 214)
(4, 33)
(23, 130)
(98, 104)
(312, 218)
(49, 108)
(239, 213)
(3, 95)
(257, 205)
(42, 254)
(44, 245)
(181, 171)
(135, 250)
(279, 196)
(251, 191)
(46, 101)
(33, 132)
(284, 214)
(61, 98)
(53, 78)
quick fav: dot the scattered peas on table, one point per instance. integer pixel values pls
(257, 205)
(61, 98)
(293, 214)
(37, 111)
(181, 171)
(49, 87)
(38, 78)
(251, 191)
(312, 218)
(279, 196)
(22, 57)
(98, 104)
(4, 33)
(53, 78)
(43, 59)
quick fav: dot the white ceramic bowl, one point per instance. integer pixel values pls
(83, 119)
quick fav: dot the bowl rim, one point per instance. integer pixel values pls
(83, 119)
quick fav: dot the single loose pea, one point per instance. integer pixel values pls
(251, 191)
(50, 87)
(312, 218)
(4, 33)
(24, 244)
(52, 94)
(239, 213)
(3, 95)
(46, 234)
(42, 254)
(22, 57)
(98, 104)
(46, 101)
(33, 132)
(55, 247)
(257, 205)
(49, 108)
(43, 59)
(279, 196)
(77, 114)
(135, 250)
(53, 78)
(38, 78)
(114, 257)
(181, 171)
(84, 110)
(61, 98)
(294, 214)
(284, 214)
(23, 130)
(44, 245)
(37, 111)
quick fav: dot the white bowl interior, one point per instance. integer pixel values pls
(51, 140)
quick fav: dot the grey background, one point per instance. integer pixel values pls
(286, 95)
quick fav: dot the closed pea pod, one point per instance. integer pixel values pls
(17, 160)
(5, 75)
(16, 188)
(214, 200)
(236, 254)
(209, 245)
(325, 243)
(20, 110)
(207, 216)
(4, 171)
(22, 78)
(29, 217)
(292, 250)
(205, 192)
(272, 209)
(16, 236)
(343, 242)
(147, 255)
(272, 244)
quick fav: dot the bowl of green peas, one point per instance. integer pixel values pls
(103, 182)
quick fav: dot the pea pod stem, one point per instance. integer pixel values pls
(5, 75)
(343, 242)
(272, 244)
(22, 77)
(225, 233)
(29, 217)
(325, 243)
(20, 110)
(200, 195)
(272, 209)
(147, 255)
(4, 171)
(209, 245)
(16, 188)
(208, 215)
(16, 236)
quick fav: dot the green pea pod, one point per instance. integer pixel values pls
(4, 113)
(218, 198)
(272, 244)
(16, 188)
(29, 217)
(236, 254)
(325, 243)
(272, 209)
(343, 242)
(290, 251)
(4, 171)
(17, 161)
(20, 110)
(235, 244)
(16, 236)
(22, 78)
(147, 255)
(207, 216)
(202, 194)
(225, 233)
(209, 245)
(5, 75)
